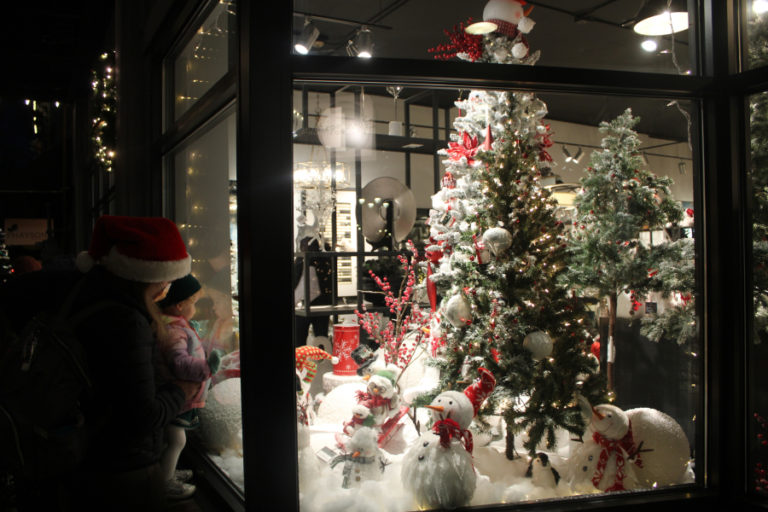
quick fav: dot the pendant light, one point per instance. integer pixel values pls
(662, 17)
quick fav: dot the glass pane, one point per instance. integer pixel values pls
(205, 59)
(560, 333)
(577, 33)
(757, 422)
(756, 44)
(205, 210)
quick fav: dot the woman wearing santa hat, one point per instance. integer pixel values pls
(128, 266)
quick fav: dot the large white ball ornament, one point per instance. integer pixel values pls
(457, 311)
(539, 344)
(497, 240)
(510, 11)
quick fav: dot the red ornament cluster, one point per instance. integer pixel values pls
(460, 42)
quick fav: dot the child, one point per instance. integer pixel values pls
(186, 357)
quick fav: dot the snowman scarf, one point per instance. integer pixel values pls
(447, 429)
(625, 445)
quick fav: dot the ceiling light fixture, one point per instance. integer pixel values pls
(661, 17)
(573, 158)
(649, 45)
(362, 46)
(307, 38)
(760, 6)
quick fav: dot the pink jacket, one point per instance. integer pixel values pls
(187, 358)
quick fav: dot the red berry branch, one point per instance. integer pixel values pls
(405, 317)
(461, 42)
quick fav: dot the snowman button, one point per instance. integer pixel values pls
(590, 457)
(421, 457)
(426, 444)
(584, 468)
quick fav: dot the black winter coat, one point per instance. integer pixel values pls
(131, 405)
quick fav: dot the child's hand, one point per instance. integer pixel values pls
(214, 360)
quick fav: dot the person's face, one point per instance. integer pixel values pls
(187, 307)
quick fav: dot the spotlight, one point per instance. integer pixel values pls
(307, 38)
(362, 46)
(658, 18)
(567, 154)
(649, 45)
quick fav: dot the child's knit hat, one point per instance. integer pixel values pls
(181, 289)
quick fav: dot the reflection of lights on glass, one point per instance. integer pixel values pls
(26, 102)
(649, 45)
(320, 175)
(760, 6)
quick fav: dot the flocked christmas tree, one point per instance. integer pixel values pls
(495, 257)
(619, 199)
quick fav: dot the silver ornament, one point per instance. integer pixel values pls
(497, 240)
(457, 311)
(539, 344)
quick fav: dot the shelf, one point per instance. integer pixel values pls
(346, 254)
(382, 142)
(338, 309)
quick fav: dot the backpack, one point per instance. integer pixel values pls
(44, 383)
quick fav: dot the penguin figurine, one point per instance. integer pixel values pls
(541, 472)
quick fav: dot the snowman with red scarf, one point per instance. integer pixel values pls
(438, 469)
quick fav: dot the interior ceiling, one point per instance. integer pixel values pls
(569, 33)
(49, 48)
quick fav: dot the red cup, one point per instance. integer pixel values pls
(346, 338)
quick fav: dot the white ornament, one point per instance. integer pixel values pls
(457, 311)
(497, 240)
(519, 51)
(539, 344)
(438, 477)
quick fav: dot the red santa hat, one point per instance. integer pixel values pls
(143, 249)
(479, 390)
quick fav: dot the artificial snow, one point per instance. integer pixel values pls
(498, 480)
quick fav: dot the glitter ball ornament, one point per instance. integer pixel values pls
(457, 311)
(539, 344)
(497, 240)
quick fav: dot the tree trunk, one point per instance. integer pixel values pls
(611, 342)
(510, 450)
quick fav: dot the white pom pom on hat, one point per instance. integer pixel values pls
(143, 249)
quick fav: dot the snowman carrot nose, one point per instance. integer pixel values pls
(355, 455)
(366, 377)
(438, 408)
(597, 413)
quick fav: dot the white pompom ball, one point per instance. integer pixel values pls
(519, 51)
(525, 25)
(497, 240)
(457, 311)
(539, 344)
(84, 261)
(510, 11)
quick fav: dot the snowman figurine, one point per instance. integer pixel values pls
(437, 470)
(362, 460)
(639, 448)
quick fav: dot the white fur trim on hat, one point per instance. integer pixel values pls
(84, 261)
(145, 271)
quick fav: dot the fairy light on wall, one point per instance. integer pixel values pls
(103, 108)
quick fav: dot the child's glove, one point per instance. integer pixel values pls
(214, 360)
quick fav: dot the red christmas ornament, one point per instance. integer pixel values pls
(467, 148)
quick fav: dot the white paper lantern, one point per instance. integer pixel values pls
(497, 240)
(539, 344)
(457, 311)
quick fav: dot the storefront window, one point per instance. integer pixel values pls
(757, 420)
(623, 35)
(204, 183)
(535, 335)
(206, 58)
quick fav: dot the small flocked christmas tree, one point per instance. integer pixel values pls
(758, 106)
(496, 256)
(619, 199)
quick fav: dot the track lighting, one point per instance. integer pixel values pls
(362, 46)
(307, 38)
